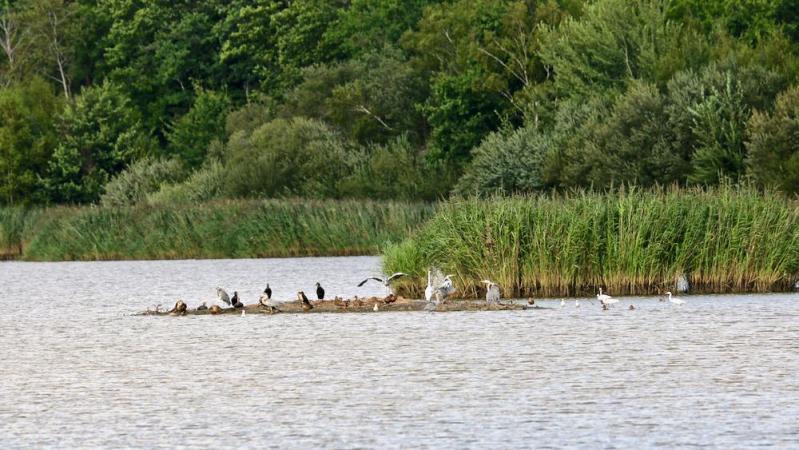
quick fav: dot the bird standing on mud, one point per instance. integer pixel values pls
(386, 282)
(428, 291)
(223, 295)
(202, 307)
(235, 300)
(493, 293)
(320, 291)
(306, 305)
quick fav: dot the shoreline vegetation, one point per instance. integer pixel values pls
(632, 242)
(219, 229)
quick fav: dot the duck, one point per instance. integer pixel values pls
(632, 307)
(306, 305)
(577, 303)
(320, 291)
(179, 309)
(215, 309)
(202, 307)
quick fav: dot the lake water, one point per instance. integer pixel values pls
(78, 370)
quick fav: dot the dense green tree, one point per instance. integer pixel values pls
(27, 139)
(507, 161)
(190, 136)
(144, 177)
(773, 144)
(100, 135)
(370, 99)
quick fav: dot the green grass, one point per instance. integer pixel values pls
(224, 229)
(630, 242)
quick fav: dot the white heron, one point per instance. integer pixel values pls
(493, 293)
(386, 281)
(428, 291)
(605, 299)
(675, 300)
(223, 295)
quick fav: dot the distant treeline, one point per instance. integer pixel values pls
(123, 102)
(629, 242)
(221, 229)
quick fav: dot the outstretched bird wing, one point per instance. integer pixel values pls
(370, 278)
(395, 276)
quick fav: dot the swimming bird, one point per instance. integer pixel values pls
(531, 302)
(243, 313)
(223, 295)
(675, 300)
(235, 300)
(375, 308)
(268, 291)
(202, 307)
(632, 307)
(562, 303)
(320, 291)
(605, 299)
(306, 305)
(602, 296)
(493, 293)
(577, 303)
(386, 281)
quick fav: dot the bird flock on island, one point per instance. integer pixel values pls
(438, 290)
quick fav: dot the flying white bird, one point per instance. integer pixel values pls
(493, 293)
(223, 295)
(675, 300)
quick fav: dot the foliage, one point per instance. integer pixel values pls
(141, 179)
(773, 144)
(231, 228)
(101, 135)
(27, 138)
(628, 241)
(190, 136)
(507, 162)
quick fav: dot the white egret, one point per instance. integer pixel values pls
(675, 300)
(428, 291)
(605, 299)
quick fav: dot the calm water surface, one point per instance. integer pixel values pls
(78, 370)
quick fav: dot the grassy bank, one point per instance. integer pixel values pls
(225, 229)
(726, 240)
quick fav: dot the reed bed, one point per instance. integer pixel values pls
(729, 239)
(224, 229)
